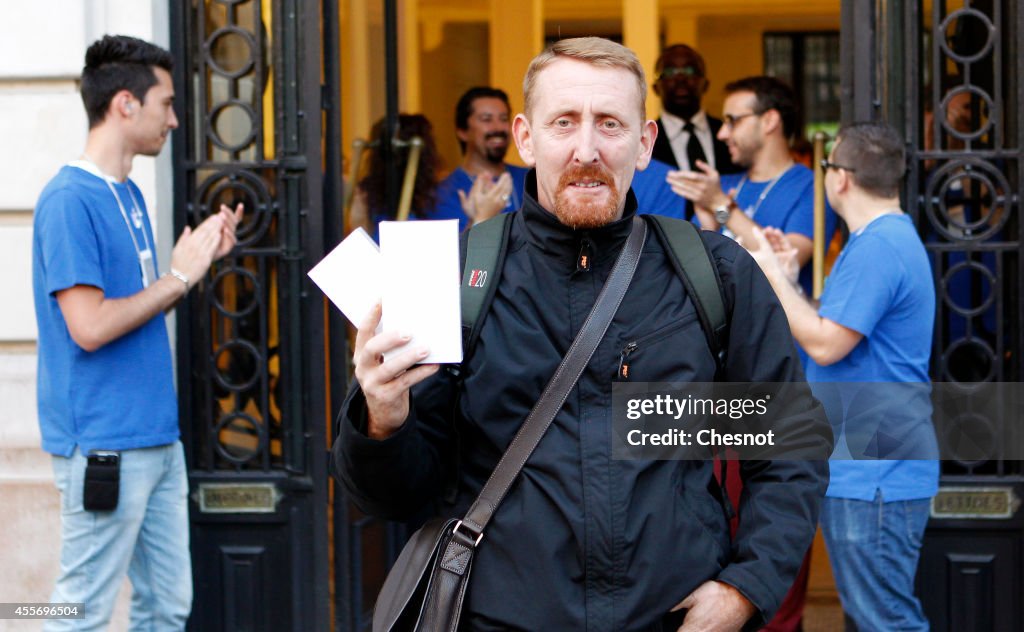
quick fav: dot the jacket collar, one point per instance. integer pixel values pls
(546, 233)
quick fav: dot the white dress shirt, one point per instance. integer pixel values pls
(678, 137)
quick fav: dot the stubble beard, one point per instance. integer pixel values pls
(583, 215)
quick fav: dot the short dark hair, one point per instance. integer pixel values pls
(464, 108)
(771, 94)
(115, 63)
(684, 48)
(876, 155)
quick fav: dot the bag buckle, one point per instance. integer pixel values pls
(470, 535)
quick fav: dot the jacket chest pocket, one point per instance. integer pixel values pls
(676, 352)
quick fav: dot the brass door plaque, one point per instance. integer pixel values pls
(237, 497)
(991, 503)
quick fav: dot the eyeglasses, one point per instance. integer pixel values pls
(676, 71)
(731, 120)
(826, 165)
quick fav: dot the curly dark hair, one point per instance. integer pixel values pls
(372, 183)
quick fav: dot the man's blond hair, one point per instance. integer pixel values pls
(592, 50)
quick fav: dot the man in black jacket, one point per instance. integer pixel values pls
(584, 541)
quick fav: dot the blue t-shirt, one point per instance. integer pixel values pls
(653, 193)
(448, 205)
(788, 206)
(881, 286)
(120, 396)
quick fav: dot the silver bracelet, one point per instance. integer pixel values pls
(177, 274)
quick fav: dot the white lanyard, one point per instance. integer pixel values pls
(768, 189)
(145, 255)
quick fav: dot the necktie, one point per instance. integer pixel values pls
(694, 151)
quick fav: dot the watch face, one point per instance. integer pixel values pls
(722, 215)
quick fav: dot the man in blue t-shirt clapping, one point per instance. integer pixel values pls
(759, 117)
(107, 409)
(869, 344)
(484, 185)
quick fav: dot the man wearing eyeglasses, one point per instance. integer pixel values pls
(870, 341)
(686, 133)
(760, 118)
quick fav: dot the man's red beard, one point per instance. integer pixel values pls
(577, 215)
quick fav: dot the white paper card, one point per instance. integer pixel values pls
(351, 275)
(420, 290)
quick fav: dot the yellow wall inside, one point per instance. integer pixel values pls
(732, 46)
(462, 43)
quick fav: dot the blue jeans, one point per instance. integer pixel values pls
(146, 536)
(874, 548)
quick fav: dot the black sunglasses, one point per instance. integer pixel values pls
(826, 165)
(672, 72)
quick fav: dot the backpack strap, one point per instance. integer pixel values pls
(483, 257)
(694, 265)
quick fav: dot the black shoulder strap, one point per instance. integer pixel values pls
(694, 266)
(482, 260)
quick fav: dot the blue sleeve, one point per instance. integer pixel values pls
(67, 238)
(653, 193)
(859, 292)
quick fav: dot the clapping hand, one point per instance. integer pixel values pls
(776, 255)
(702, 186)
(487, 197)
(229, 229)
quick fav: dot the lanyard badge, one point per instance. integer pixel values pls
(147, 266)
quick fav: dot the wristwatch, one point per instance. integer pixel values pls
(723, 212)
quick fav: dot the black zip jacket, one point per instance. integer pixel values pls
(583, 541)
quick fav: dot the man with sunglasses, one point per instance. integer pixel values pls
(759, 120)
(686, 133)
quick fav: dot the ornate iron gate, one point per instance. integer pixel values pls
(251, 362)
(950, 78)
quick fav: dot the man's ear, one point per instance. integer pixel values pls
(648, 134)
(123, 103)
(524, 139)
(844, 181)
(770, 121)
(462, 134)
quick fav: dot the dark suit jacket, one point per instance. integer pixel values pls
(663, 149)
(723, 163)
